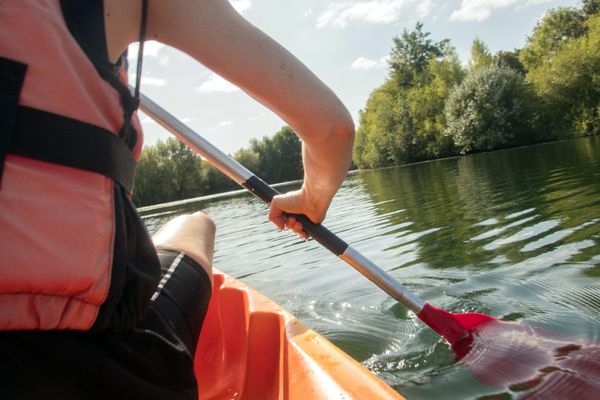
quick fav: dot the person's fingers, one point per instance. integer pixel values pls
(277, 217)
(290, 221)
(291, 203)
(299, 229)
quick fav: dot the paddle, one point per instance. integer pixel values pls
(531, 362)
(457, 329)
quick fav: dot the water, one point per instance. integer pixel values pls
(514, 234)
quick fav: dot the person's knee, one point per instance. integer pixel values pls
(194, 234)
(205, 221)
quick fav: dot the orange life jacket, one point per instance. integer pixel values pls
(62, 165)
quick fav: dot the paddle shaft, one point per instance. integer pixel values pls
(265, 192)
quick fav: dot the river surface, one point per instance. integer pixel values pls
(513, 234)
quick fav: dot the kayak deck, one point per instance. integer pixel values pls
(251, 348)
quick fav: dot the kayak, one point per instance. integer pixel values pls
(250, 348)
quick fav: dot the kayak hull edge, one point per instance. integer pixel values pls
(251, 348)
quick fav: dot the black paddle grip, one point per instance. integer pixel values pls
(324, 236)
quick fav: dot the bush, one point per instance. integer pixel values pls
(490, 109)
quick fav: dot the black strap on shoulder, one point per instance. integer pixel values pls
(45, 136)
(140, 57)
(61, 140)
(85, 21)
(12, 75)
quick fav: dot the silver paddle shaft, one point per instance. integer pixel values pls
(243, 177)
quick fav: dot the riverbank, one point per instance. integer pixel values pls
(168, 207)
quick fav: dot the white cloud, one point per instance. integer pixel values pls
(363, 63)
(480, 10)
(147, 81)
(225, 123)
(339, 15)
(216, 84)
(164, 60)
(151, 49)
(532, 3)
(241, 5)
(424, 8)
(144, 119)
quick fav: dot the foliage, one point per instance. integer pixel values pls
(166, 172)
(547, 90)
(278, 159)
(376, 145)
(429, 107)
(568, 83)
(489, 110)
(557, 27)
(509, 59)
(480, 55)
(411, 55)
(403, 120)
(591, 7)
(171, 171)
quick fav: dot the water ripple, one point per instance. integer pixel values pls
(514, 234)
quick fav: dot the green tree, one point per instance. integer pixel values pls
(279, 157)
(570, 84)
(509, 59)
(248, 158)
(168, 171)
(490, 109)
(379, 123)
(403, 120)
(557, 27)
(411, 54)
(427, 107)
(591, 7)
(480, 55)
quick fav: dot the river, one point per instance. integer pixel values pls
(514, 234)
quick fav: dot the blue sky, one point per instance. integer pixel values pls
(344, 42)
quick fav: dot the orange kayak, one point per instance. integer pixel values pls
(252, 349)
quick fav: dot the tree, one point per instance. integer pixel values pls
(480, 55)
(248, 158)
(426, 106)
(509, 59)
(591, 7)
(168, 171)
(279, 157)
(489, 110)
(557, 27)
(404, 118)
(570, 84)
(411, 55)
(375, 144)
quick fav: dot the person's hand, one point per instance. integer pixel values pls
(295, 202)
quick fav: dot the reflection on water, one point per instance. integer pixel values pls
(513, 234)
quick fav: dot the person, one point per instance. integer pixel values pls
(91, 306)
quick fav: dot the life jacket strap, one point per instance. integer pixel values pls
(12, 75)
(61, 140)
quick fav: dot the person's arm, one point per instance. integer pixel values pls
(213, 33)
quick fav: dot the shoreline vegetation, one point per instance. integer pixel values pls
(430, 107)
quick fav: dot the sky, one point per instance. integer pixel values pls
(345, 43)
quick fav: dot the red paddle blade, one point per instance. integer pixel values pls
(457, 329)
(530, 362)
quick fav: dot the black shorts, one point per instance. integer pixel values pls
(154, 360)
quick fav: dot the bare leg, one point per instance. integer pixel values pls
(194, 234)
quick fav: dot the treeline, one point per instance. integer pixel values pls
(170, 170)
(432, 106)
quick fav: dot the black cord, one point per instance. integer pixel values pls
(142, 39)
